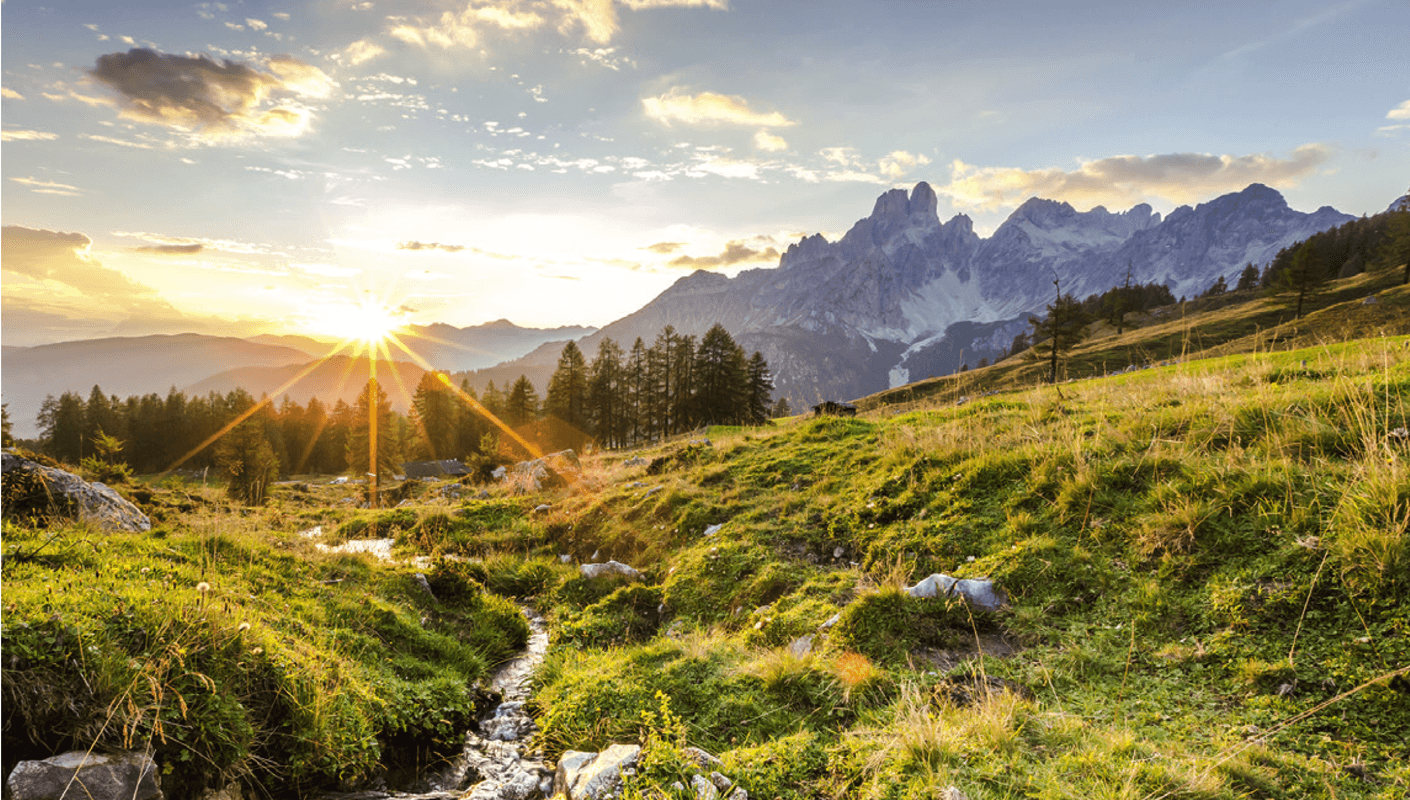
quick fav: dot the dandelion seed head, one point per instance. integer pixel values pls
(203, 587)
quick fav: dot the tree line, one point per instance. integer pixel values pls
(618, 399)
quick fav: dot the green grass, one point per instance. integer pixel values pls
(1206, 562)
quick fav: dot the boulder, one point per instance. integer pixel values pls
(704, 789)
(553, 471)
(34, 490)
(124, 776)
(979, 592)
(593, 776)
(594, 571)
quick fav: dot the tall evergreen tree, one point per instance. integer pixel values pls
(636, 392)
(760, 390)
(606, 403)
(61, 427)
(1248, 279)
(521, 406)
(720, 378)
(567, 398)
(248, 460)
(434, 409)
(358, 449)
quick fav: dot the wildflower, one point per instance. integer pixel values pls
(203, 587)
(244, 626)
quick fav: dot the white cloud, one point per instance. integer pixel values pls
(20, 135)
(708, 108)
(10, 94)
(899, 163)
(841, 156)
(719, 5)
(768, 142)
(257, 24)
(49, 187)
(1401, 111)
(1121, 180)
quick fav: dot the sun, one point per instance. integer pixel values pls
(366, 322)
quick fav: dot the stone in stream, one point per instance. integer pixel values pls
(593, 776)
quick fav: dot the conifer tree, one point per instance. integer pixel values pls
(435, 411)
(606, 402)
(521, 405)
(1059, 330)
(567, 398)
(760, 390)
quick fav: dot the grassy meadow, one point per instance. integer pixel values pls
(1206, 562)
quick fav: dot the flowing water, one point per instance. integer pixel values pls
(495, 763)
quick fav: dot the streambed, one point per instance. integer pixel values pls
(495, 763)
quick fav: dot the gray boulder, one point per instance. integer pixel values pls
(126, 776)
(979, 592)
(594, 776)
(594, 571)
(34, 490)
(553, 471)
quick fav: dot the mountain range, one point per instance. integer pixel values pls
(903, 295)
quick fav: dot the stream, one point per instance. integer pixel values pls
(495, 763)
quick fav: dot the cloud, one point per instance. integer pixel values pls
(10, 94)
(49, 187)
(415, 245)
(734, 253)
(841, 156)
(708, 108)
(463, 29)
(119, 142)
(362, 51)
(665, 248)
(21, 135)
(220, 99)
(171, 249)
(1401, 111)
(899, 163)
(64, 258)
(768, 142)
(1119, 180)
(256, 24)
(636, 5)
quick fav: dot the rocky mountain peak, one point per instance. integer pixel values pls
(894, 206)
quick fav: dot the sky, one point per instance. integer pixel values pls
(307, 167)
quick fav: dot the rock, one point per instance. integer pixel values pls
(1369, 300)
(424, 584)
(591, 776)
(979, 592)
(594, 571)
(34, 490)
(838, 552)
(635, 461)
(951, 793)
(553, 471)
(126, 776)
(704, 789)
(738, 794)
(565, 558)
(711, 530)
(801, 646)
(542, 508)
(702, 759)
(721, 782)
(499, 473)
(483, 495)
(832, 620)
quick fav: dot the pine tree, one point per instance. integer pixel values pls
(521, 406)
(760, 390)
(1302, 276)
(359, 450)
(606, 402)
(1248, 279)
(567, 398)
(434, 411)
(720, 378)
(1060, 330)
(1395, 248)
(61, 427)
(248, 461)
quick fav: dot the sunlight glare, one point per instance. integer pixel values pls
(363, 322)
